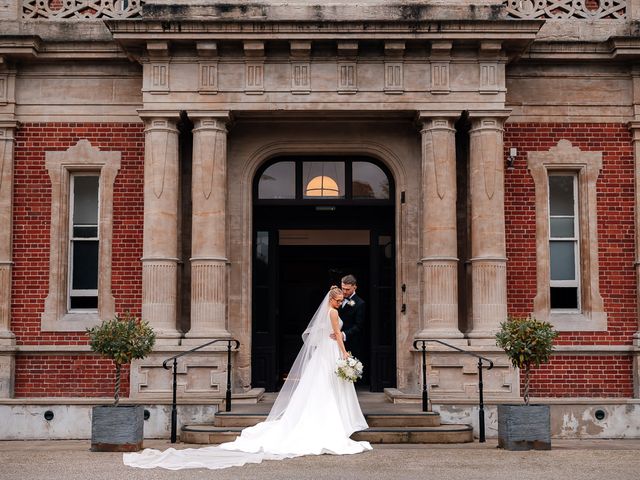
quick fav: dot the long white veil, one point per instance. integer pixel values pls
(315, 336)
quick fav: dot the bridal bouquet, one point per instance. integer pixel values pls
(349, 369)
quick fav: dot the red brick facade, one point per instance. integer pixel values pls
(74, 375)
(88, 375)
(578, 375)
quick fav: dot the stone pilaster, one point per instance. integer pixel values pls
(160, 243)
(209, 232)
(488, 250)
(439, 240)
(7, 338)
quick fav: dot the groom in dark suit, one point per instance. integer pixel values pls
(352, 314)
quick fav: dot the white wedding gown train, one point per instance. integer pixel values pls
(320, 416)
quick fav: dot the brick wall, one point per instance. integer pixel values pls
(31, 236)
(616, 253)
(67, 376)
(583, 376)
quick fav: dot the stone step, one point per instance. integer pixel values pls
(421, 419)
(210, 434)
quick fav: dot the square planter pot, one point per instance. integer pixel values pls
(117, 429)
(524, 427)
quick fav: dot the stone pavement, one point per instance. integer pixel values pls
(569, 459)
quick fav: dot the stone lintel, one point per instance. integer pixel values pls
(221, 115)
(150, 114)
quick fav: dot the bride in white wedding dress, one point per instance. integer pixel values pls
(315, 412)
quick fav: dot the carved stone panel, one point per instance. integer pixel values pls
(300, 78)
(393, 77)
(208, 78)
(440, 78)
(454, 376)
(159, 77)
(347, 78)
(199, 375)
(254, 78)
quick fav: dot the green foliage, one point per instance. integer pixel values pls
(122, 339)
(526, 341)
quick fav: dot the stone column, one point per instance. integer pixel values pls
(439, 239)
(488, 251)
(209, 232)
(160, 244)
(7, 338)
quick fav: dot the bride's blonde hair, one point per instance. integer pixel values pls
(335, 292)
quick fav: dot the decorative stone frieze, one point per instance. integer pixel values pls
(209, 232)
(565, 9)
(439, 237)
(160, 243)
(440, 62)
(81, 9)
(488, 249)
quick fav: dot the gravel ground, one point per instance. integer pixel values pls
(569, 459)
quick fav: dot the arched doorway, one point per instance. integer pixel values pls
(317, 219)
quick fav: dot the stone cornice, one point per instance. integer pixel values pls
(135, 31)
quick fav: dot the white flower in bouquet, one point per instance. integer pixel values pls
(349, 369)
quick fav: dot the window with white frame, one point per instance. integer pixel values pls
(84, 241)
(567, 268)
(82, 189)
(564, 248)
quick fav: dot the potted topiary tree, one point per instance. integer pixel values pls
(527, 342)
(119, 428)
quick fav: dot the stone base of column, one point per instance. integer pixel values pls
(159, 296)
(7, 374)
(489, 290)
(440, 297)
(208, 299)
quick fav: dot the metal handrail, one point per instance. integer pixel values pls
(425, 394)
(174, 409)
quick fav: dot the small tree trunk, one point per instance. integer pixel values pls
(117, 391)
(527, 369)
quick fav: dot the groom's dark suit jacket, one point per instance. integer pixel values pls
(353, 323)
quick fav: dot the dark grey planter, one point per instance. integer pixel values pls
(524, 427)
(117, 429)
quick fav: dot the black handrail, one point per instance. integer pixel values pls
(425, 394)
(174, 410)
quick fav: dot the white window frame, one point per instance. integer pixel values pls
(81, 158)
(575, 240)
(586, 166)
(71, 292)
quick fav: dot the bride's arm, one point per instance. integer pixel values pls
(335, 325)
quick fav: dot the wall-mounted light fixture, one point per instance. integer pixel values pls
(511, 159)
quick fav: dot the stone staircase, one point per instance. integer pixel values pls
(388, 423)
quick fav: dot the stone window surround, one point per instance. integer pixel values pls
(586, 165)
(61, 165)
